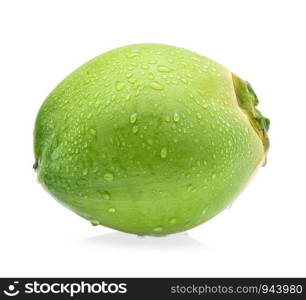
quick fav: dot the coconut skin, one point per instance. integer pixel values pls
(149, 139)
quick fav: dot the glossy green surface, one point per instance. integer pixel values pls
(146, 139)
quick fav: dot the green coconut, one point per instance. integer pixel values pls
(149, 139)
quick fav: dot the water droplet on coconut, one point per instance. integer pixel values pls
(163, 69)
(176, 117)
(120, 85)
(158, 229)
(167, 118)
(187, 224)
(94, 222)
(93, 131)
(172, 221)
(131, 55)
(191, 188)
(135, 129)
(109, 176)
(105, 195)
(133, 118)
(163, 152)
(204, 211)
(112, 210)
(156, 85)
(151, 76)
(184, 80)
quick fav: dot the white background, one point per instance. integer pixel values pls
(262, 234)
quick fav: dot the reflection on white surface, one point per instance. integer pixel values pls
(179, 241)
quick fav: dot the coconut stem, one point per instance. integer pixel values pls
(248, 101)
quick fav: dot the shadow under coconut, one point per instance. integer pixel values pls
(178, 241)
